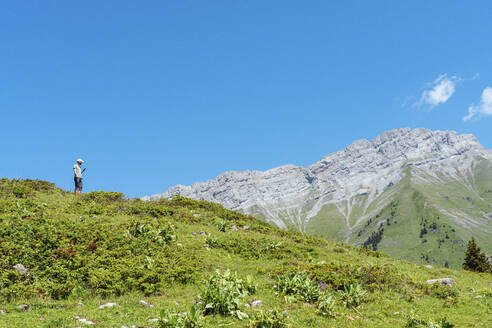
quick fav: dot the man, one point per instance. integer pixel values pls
(77, 171)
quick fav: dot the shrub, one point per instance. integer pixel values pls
(352, 295)
(413, 321)
(370, 276)
(370, 252)
(247, 247)
(451, 302)
(222, 226)
(159, 232)
(326, 306)
(443, 292)
(23, 188)
(298, 284)
(191, 319)
(212, 242)
(105, 256)
(55, 323)
(270, 319)
(103, 196)
(223, 293)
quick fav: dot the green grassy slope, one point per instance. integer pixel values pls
(411, 228)
(425, 222)
(465, 206)
(86, 251)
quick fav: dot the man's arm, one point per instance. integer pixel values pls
(83, 170)
(74, 171)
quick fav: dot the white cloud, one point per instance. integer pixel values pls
(484, 107)
(440, 91)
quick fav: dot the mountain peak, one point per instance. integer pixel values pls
(347, 188)
(390, 149)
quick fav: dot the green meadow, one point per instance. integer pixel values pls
(186, 263)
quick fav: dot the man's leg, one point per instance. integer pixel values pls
(78, 187)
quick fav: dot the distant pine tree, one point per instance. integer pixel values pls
(475, 260)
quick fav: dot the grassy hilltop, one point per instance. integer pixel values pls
(81, 253)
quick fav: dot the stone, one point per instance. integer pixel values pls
(442, 281)
(479, 297)
(21, 269)
(146, 304)
(256, 303)
(22, 307)
(108, 305)
(202, 233)
(234, 228)
(83, 320)
(153, 320)
(428, 266)
(3, 312)
(245, 227)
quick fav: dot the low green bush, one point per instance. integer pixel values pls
(413, 321)
(326, 305)
(190, 319)
(158, 231)
(370, 276)
(443, 292)
(270, 319)
(298, 284)
(247, 247)
(352, 295)
(212, 242)
(22, 189)
(102, 196)
(223, 293)
(222, 226)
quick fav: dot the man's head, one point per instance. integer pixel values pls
(80, 161)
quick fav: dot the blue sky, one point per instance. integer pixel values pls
(156, 93)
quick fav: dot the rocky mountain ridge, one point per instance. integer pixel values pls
(355, 183)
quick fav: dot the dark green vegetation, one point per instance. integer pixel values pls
(83, 252)
(410, 227)
(475, 259)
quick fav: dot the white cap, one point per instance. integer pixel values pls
(79, 160)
